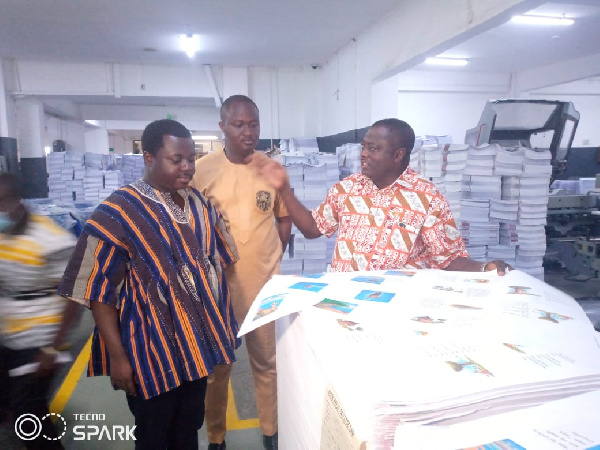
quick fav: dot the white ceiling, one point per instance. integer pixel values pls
(264, 33)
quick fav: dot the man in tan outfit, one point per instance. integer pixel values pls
(260, 225)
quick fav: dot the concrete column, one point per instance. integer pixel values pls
(30, 135)
(3, 109)
(96, 141)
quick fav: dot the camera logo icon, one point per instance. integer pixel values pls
(29, 426)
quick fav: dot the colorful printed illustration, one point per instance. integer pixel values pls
(374, 280)
(305, 286)
(466, 307)
(504, 444)
(551, 316)
(349, 325)
(336, 306)
(375, 296)
(515, 347)
(523, 290)
(468, 365)
(269, 305)
(312, 275)
(427, 319)
(447, 289)
(421, 333)
(477, 280)
(400, 273)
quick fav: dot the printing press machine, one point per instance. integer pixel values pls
(573, 231)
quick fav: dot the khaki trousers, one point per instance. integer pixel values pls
(260, 344)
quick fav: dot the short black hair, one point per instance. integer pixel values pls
(238, 98)
(9, 182)
(152, 137)
(402, 133)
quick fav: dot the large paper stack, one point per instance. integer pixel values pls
(481, 160)
(311, 182)
(132, 167)
(348, 159)
(305, 145)
(427, 349)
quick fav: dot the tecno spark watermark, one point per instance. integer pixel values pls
(22, 426)
(29, 427)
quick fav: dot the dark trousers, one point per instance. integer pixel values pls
(171, 420)
(28, 394)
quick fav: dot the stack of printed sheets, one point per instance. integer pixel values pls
(385, 356)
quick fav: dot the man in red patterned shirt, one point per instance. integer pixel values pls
(388, 216)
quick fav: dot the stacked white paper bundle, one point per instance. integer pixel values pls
(99, 161)
(348, 159)
(55, 162)
(475, 210)
(113, 179)
(415, 158)
(310, 182)
(510, 187)
(509, 236)
(504, 210)
(506, 253)
(481, 187)
(431, 160)
(480, 160)
(509, 161)
(304, 145)
(479, 234)
(537, 162)
(450, 348)
(132, 167)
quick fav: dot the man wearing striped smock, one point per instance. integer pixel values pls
(149, 265)
(33, 254)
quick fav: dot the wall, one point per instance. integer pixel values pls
(71, 132)
(397, 43)
(450, 102)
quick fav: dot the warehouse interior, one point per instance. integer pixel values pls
(90, 76)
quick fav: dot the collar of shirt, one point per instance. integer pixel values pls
(406, 180)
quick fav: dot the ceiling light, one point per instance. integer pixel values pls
(541, 20)
(190, 43)
(442, 61)
(205, 138)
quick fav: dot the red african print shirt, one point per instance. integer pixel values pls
(407, 224)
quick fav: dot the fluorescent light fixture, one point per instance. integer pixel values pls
(190, 43)
(205, 138)
(444, 61)
(541, 20)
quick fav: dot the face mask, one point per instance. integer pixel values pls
(5, 222)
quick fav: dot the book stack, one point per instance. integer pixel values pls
(480, 160)
(450, 349)
(132, 167)
(348, 159)
(304, 145)
(509, 161)
(310, 181)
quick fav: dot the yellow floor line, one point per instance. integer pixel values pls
(233, 420)
(68, 386)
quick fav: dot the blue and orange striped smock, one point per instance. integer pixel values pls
(161, 266)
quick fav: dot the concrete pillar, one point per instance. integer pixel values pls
(30, 135)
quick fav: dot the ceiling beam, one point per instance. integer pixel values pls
(559, 73)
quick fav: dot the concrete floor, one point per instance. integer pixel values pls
(95, 395)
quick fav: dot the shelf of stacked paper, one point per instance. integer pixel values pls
(374, 353)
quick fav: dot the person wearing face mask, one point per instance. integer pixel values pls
(34, 320)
